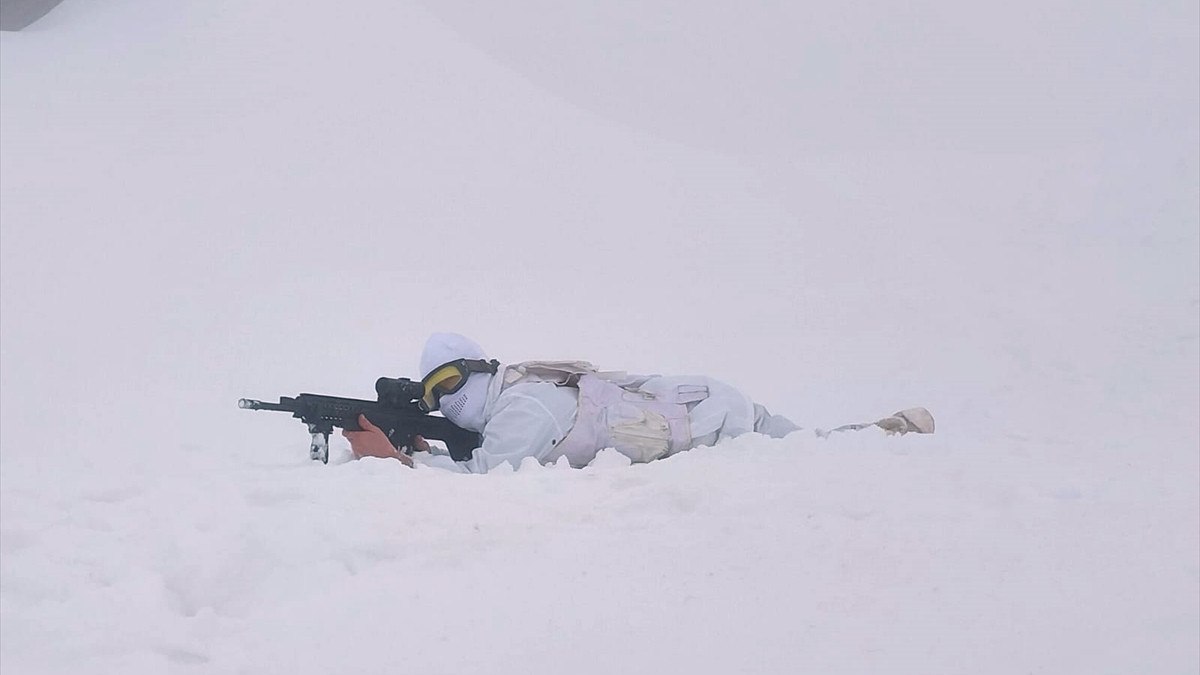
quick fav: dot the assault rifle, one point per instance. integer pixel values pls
(396, 413)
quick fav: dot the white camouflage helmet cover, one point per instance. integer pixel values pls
(465, 406)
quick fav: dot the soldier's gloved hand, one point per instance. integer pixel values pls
(372, 442)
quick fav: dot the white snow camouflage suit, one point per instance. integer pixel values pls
(553, 409)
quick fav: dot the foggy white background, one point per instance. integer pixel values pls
(990, 210)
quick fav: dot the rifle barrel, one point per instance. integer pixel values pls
(251, 404)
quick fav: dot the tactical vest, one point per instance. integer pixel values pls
(617, 410)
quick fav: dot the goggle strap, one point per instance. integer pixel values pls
(480, 366)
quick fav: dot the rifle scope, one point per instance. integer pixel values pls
(398, 390)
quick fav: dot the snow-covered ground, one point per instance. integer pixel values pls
(991, 211)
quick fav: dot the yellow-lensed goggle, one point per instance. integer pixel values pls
(449, 378)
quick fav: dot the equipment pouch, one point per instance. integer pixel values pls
(636, 423)
(639, 433)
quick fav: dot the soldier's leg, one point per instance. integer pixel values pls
(775, 426)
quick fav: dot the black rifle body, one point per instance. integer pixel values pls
(399, 421)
